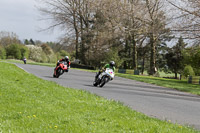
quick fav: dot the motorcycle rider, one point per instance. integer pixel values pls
(66, 59)
(111, 65)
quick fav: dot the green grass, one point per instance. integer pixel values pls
(30, 104)
(181, 85)
(29, 62)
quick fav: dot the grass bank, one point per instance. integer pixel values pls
(30, 104)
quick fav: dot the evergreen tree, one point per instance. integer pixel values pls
(32, 42)
(175, 57)
(26, 42)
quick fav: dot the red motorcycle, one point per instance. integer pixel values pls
(62, 67)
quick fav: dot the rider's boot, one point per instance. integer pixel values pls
(54, 72)
(97, 76)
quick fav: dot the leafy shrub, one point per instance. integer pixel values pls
(52, 58)
(17, 51)
(188, 70)
(2, 53)
(24, 51)
(36, 53)
(13, 51)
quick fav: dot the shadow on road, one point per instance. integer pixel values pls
(48, 76)
(89, 85)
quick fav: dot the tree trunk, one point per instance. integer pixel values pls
(153, 55)
(143, 61)
(76, 30)
(77, 35)
(82, 40)
(134, 54)
(176, 75)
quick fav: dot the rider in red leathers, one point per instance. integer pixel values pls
(66, 59)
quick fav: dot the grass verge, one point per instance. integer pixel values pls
(30, 104)
(180, 85)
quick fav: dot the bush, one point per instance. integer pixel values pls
(13, 51)
(37, 54)
(2, 53)
(52, 58)
(24, 51)
(188, 70)
(17, 51)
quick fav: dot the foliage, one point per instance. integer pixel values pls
(37, 54)
(34, 105)
(95, 31)
(14, 51)
(188, 71)
(51, 57)
(112, 55)
(187, 14)
(2, 53)
(175, 57)
(31, 42)
(24, 51)
(192, 57)
(47, 50)
(7, 38)
(26, 42)
(64, 53)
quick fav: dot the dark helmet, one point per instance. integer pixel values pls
(112, 63)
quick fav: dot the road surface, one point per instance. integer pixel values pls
(154, 101)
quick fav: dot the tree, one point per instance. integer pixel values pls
(112, 55)
(7, 38)
(31, 41)
(188, 71)
(51, 57)
(191, 57)
(24, 51)
(187, 19)
(37, 54)
(95, 27)
(155, 27)
(2, 52)
(63, 53)
(63, 13)
(26, 42)
(13, 51)
(47, 50)
(175, 57)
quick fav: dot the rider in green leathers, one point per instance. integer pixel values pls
(111, 65)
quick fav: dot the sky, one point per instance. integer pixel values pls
(22, 17)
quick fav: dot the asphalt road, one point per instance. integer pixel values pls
(158, 102)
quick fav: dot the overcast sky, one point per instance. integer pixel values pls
(22, 18)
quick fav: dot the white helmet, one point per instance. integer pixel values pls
(66, 57)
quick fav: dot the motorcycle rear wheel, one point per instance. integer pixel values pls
(103, 81)
(58, 73)
(95, 83)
